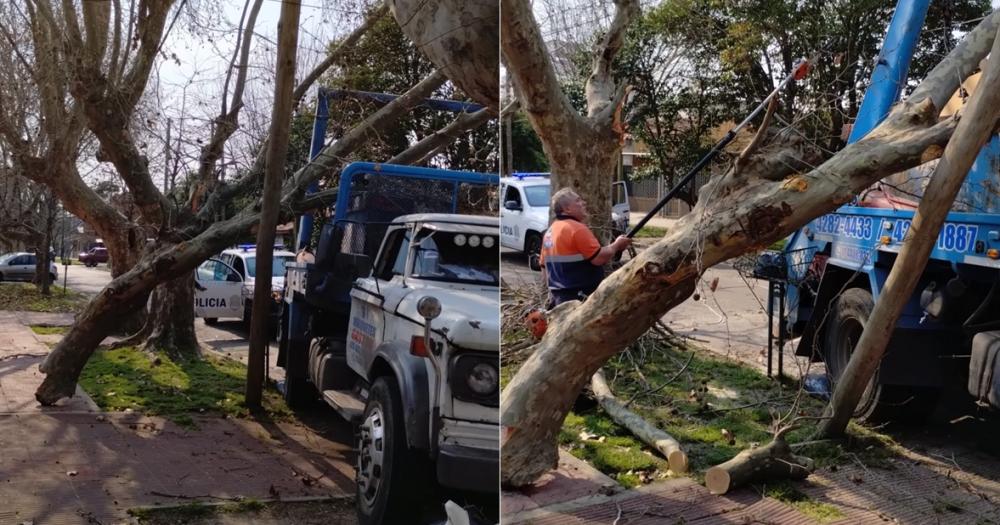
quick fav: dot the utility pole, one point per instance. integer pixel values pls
(510, 150)
(166, 162)
(277, 149)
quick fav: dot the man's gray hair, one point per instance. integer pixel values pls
(562, 198)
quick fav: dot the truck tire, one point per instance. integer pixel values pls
(211, 321)
(387, 474)
(533, 243)
(878, 403)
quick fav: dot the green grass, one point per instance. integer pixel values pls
(617, 454)
(785, 492)
(699, 426)
(651, 231)
(177, 389)
(49, 330)
(26, 297)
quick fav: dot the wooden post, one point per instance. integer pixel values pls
(277, 148)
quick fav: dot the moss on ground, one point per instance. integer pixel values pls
(27, 298)
(786, 492)
(49, 330)
(155, 384)
(715, 408)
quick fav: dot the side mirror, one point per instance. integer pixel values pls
(512, 205)
(534, 262)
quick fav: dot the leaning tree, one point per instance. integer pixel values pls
(186, 232)
(776, 192)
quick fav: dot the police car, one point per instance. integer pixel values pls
(524, 216)
(224, 285)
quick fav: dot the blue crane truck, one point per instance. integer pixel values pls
(832, 270)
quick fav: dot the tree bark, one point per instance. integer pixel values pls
(666, 445)
(42, 258)
(172, 316)
(582, 150)
(772, 461)
(281, 115)
(460, 38)
(768, 200)
(974, 129)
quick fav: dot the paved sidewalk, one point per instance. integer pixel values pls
(72, 464)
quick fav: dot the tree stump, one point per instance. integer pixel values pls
(772, 461)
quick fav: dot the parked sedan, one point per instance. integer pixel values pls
(20, 266)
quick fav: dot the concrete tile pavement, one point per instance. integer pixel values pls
(72, 464)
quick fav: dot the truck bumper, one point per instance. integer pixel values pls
(468, 468)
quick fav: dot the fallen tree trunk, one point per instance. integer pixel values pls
(649, 434)
(769, 199)
(460, 38)
(772, 461)
(977, 124)
(129, 291)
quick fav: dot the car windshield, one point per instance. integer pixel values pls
(457, 257)
(277, 267)
(538, 195)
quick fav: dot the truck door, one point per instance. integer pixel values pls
(217, 290)
(372, 296)
(620, 208)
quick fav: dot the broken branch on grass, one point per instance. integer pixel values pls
(662, 442)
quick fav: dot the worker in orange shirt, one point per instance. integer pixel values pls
(571, 256)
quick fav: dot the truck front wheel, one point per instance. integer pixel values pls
(878, 402)
(386, 473)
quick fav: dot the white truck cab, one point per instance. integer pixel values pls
(525, 210)
(418, 368)
(431, 305)
(224, 285)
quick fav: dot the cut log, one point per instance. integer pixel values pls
(642, 429)
(772, 461)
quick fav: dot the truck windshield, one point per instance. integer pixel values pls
(538, 195)
(457, 257)
(277, 267)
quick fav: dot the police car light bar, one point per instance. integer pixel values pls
(522, 176)
(248, 247)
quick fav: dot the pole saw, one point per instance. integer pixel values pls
(799, 71)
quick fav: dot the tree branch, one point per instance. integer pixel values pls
(531, 68)
(600, 89)
(431, 144)
(328, 160)
(344, 47)
(962, 61)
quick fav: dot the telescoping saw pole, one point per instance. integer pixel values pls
(799, 71)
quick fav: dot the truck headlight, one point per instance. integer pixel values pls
(483, 379)
(475, 377)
